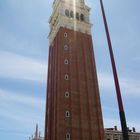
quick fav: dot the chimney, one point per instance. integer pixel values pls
(115, 128)
(133, 129)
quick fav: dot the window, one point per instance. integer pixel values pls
(65, 34)
(67, 12)
(82, 17)
(67, 136)
(66, 77)
(66, 61)
(67, 94)
(67, 114)
(77, 16)
(71, 14)
(66, 47)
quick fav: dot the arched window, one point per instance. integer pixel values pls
(82, 17)
(66, 77)
(65, 35)
(66, 47)
(67, 136)
(71, 14)
(66, 61)
(67, 12)
(67, 94)
(67, 114)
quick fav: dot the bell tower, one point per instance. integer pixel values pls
(73, 109)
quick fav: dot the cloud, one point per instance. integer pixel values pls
(105, 80)
(19, 113)
(108, 122)
(26, 45)
(129, 85)
(20, 67)
(13, 132)
(18, 107)
(20, 99)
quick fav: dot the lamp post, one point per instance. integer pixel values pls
(118, 91)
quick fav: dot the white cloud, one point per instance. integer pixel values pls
(31, 101)
(105, 80)
(18, 107)
(129, 86)
(19, 67)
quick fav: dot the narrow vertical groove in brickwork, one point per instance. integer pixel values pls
(84, 47)
(99, 117)
(77, 51)
(47, 98)
(59, 68)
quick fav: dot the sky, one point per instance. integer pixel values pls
(24, 60)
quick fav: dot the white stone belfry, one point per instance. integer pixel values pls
(71, 14)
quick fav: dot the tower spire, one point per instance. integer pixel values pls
(36, 131)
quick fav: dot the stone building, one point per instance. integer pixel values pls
(115, 134)
(110, 134)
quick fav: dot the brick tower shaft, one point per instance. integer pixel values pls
(73, 109)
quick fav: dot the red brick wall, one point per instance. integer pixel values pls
(85, 121)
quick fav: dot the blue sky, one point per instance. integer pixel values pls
(24, 58)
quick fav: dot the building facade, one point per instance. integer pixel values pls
(73, 109)
(110, 134)
(115, 134)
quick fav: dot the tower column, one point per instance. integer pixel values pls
(73, 109)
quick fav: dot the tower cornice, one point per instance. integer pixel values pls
(69, 24)
(69, 14)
